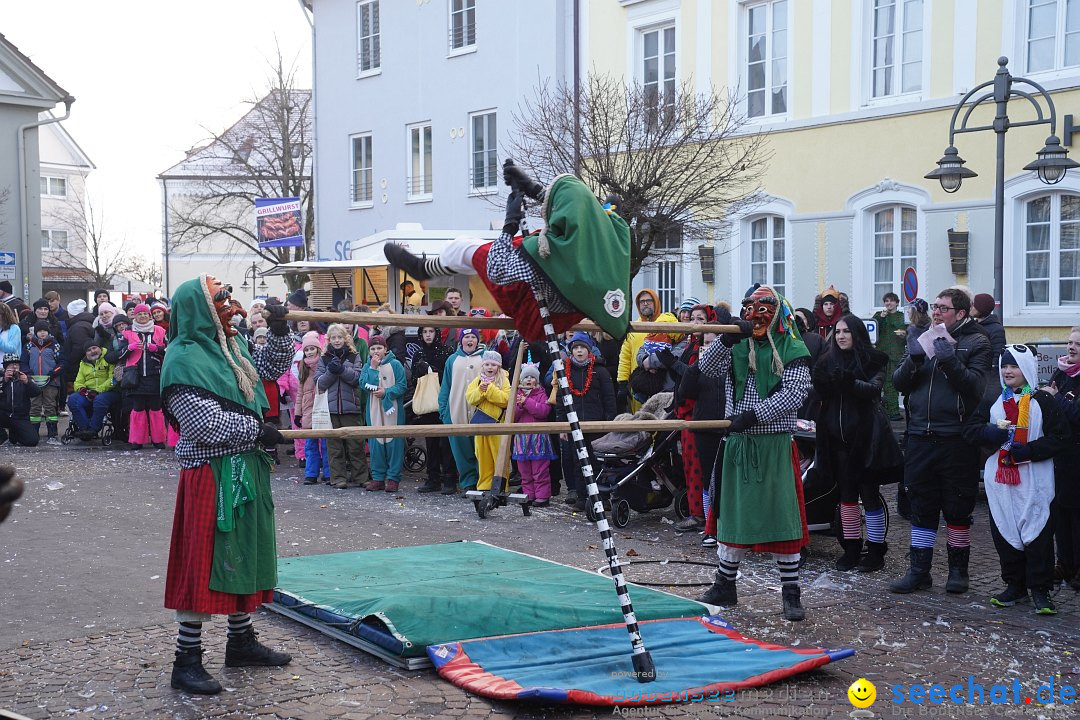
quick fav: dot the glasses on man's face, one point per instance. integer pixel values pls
(941, 308)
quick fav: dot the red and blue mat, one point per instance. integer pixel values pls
(697, 660)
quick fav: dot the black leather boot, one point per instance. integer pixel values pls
(244, 650)
(918, 575)
(874, 559)
(958, 570)
(405, 260)
(189, 675)
(850, 558)
(793, 609)
(722, 593)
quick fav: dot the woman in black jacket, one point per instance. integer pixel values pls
(429, 353)
(854, 440)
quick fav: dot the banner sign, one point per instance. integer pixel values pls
(278, 222)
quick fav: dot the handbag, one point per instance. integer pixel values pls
(130, 379)
(320, 412)
(426, 395)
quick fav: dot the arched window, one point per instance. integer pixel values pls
(895, 247)
(769, 252)
(1051, 246)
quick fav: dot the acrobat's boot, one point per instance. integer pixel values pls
(722, 592)
(792, 597)
(419, 267)
(918, 575)
(958, 569)
(245, 650)
(518, 179)
(850, 558)
(189, 675)
(874, 559)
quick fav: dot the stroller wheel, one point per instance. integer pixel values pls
(481, 508)
(682, 504)
(415, 458)
(620, 513)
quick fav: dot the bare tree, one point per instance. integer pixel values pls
(266, 154)
(681, 162)
(89, 246)
(139, 268)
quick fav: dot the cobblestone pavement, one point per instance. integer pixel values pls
(84, 635)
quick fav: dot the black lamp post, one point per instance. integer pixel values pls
(253, 274)
(1051, 162)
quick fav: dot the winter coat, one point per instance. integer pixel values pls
(1067, 462)
(535, 408)
(96, 376)
(424, 356)
(824, 323)
(634, 341)
(80, 332)
(28, 322)
(43, 361)
(306, 400)
(11, 340)
(707, 393)
(599, 402)
(390, 376)
(996, 332)
(15, 396)
(460, 369)
(344, 397)
(492, 401)
(942, 396)
(148, 361)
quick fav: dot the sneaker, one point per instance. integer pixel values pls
(1042, 602)
(1008, 597)
(709, 541)
(311, 481)
(52, 440)
(65, 413)
(391, 486)
(690, 524)
(375, 485)
(541, 503)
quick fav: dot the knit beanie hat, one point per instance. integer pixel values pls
(41, 302)
(376, 340)
(108, 306)
(689, 303)
(492, 356)
(76, 307)
(311, 339)
(471, 331)
(580, 337)
(983, 302)
(529, 370)
(121, 318)
(656, 342)
(41, 325)
(140, 308)
(298, 298)
(260, 332)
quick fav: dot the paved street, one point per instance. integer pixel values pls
(84, 635)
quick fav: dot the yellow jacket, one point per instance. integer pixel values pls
(634, 341)
(494, 400)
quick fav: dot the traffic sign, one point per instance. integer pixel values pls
(871, 328)
(7, 266)
(911, 284)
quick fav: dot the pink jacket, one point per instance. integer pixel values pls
(306, 401)
(157, 342)
(535, 408)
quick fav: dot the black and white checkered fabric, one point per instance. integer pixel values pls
(507, 264)
(776, 413)
(209, 429)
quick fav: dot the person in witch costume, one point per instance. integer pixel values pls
(223, 556)
(766, 379)
(579, 263)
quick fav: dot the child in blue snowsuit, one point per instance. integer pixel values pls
(383, 379)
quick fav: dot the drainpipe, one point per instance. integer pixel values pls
(165, 236)
(577, 89)
(305, 6)
(24, 230)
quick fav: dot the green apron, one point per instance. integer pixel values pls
(758, 503)
(245, 541)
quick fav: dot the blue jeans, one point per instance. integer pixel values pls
(81, 408)
(315, 455)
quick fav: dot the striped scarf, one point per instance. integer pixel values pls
(1017, 413)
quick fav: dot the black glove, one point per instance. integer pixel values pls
(269, 436)
(622, 398)
(742, 421)
(420, 369)
(666, 357)
(993, 435)
(516, 178)
(334, 367)
(745, 327)
(515, 212)
(279, 326)
(1021, 452)
(298, 420)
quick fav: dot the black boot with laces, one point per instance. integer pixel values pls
(244, 650)
(189, 675)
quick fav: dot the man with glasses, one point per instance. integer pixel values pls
(941, 468)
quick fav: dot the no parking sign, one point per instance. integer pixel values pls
(911, 284)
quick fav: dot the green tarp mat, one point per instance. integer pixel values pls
(432, 594)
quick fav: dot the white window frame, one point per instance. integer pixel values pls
(670, 269)
(1058, 65)
(867, 32)
(1053, 252)
(370, 169)
(744, 57)
(424, 191)
(50, 238)
(492, 184)
(740, 231)
(770, 261)
(467, 6)
(897, 257)
(863, 205)
(53, 186)
(662, 58)
(374, 38)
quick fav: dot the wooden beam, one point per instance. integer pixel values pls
(598, 427)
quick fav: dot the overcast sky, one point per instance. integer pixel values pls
(150, 80)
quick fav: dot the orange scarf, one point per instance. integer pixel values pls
(1017, 414)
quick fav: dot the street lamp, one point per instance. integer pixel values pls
(253, 273)
(1050, 164)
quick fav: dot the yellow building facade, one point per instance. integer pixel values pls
(856, 97)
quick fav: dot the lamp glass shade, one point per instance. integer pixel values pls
(950, 182)
(1051, 174)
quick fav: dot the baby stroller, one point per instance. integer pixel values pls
(640, 472)
(415, 453)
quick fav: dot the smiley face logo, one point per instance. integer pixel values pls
(862, 693)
